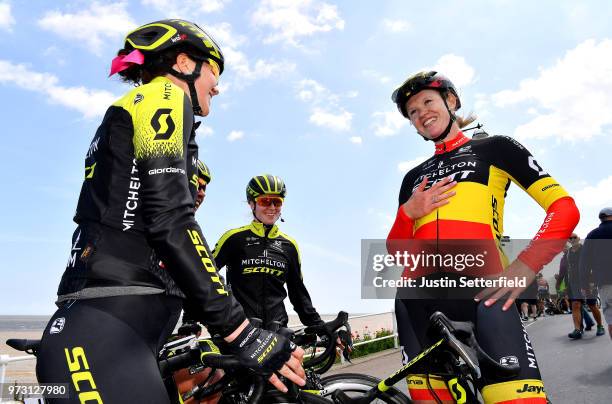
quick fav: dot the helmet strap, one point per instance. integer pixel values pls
(190, 80)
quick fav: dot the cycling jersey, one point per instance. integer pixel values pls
(259, 260)
(136, 207)
(484, 169)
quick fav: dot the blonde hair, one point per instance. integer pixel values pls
(462, 121)
(465, 121)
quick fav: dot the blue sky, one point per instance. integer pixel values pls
(305, 95)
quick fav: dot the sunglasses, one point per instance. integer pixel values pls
(573, 238)
(215, 68)
(412, 84)
(267, 201)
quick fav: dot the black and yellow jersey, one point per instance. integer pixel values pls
(259, 261)
(136, 207)
(484, 169)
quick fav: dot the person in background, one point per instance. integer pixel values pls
(596, 264)
(260, 259)
(543, 292)
(577, 298)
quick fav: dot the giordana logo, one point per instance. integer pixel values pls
(57, 326)
(465, 149)
(139, 97)
(508, 361)
(166, 170)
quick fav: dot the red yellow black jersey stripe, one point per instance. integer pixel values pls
(484, 170)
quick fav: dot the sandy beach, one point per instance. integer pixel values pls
(24, 372)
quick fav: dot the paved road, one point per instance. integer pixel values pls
(575, 372)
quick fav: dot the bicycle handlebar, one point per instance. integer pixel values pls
(328, 330)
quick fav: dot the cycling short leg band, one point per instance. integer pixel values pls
(526, 391)
(419, 388)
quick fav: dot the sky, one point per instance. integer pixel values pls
(306, 96)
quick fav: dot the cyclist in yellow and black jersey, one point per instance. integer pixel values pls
(260, 259)
(137, 206)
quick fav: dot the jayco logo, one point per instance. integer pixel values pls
(531, 389)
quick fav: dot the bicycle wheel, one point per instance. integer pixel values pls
(279, 398)
(354, 385)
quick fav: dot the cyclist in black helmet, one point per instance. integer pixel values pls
(204, 178)
(137, 207)
(260, 259)
(458, 194)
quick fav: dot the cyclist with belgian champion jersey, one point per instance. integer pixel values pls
(441, 199)
(137, 207)
(260, 259)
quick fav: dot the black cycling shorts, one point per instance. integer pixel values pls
(500, 333)
(106, 349)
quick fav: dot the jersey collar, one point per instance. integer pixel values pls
(259, 229)
(452, 144)
(161, 79)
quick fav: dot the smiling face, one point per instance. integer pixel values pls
(267, 208)
(428, 114)
(206, 86)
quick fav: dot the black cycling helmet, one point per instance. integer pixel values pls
(155, 38)
(161, 35)
(421, 81)
(204, 172)
(265, 184)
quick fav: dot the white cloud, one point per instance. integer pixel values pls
(405, 166)
(388, 123)
(456, 69)
(396, 25)
(204, 131)
(235, 135)
(224, 35)
(309, 90)
(96, 26)
(356, 139)
(56, 54)
(573, 96)
(598, 195)
(242, 70)
(340, 121)
(590, 200)
(6, 17)
(326, 110)
(91, 103)
(186, 8)
(290, 20)
(373, 74)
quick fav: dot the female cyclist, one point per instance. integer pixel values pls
(136, 207)
(260, 259)
(458, 194)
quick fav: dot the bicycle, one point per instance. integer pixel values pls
(196, 354)
(237, 390)
(240, 386)
(456, 357)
